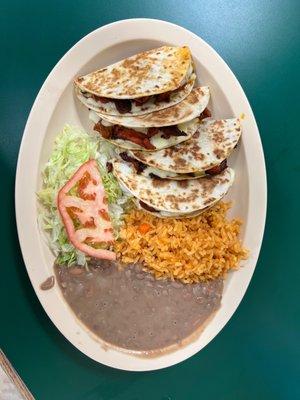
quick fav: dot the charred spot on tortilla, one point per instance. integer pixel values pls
(219, 153)
(183, 184)
(159, 182)
(218, 137)
(180, 162)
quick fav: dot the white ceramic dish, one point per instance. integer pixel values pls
(55, 105)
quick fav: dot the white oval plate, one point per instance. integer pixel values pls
(56, 105)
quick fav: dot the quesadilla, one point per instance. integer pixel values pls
(172, 196)
(147, 139)
(153, 172)
(191, 107)
(146, 82)
(165, 214)
(205, 152)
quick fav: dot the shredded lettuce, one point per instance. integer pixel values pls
(72, 148)
(118, 201)
(111, 186)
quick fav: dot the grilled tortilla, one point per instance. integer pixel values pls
(191, 107)
(166, 214)
(210, 145)
(184, 196)
(146, 82)
(152, 172)
(147, 139)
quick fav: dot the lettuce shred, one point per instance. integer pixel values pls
(72, 148)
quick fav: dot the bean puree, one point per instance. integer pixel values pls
(128, 308)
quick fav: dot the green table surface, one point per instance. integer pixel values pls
(257, 355)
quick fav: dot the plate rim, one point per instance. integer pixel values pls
(144, 365)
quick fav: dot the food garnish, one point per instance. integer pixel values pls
(72, 148)
(83, 208)
(144, 228)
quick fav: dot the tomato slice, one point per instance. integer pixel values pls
(83, 208)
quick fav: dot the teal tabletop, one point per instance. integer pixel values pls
(257, 355)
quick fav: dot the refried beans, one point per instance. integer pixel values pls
(128, 308)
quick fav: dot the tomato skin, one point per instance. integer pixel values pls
(89, 210)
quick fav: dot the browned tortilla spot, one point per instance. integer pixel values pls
(160, 182)
(182, 184)
(219, 153)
